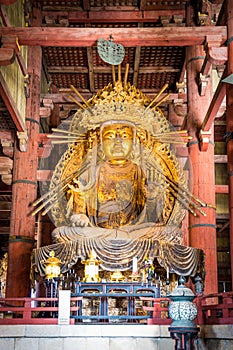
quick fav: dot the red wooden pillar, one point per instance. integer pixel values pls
(202, 229)
(24, 189)
(229, 122)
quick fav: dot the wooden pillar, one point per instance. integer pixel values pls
(24, 189)
(229, 121)
(202, 229)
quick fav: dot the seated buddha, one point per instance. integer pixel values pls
(119, 189)
(114, 198)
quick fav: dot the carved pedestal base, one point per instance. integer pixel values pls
(184, 337)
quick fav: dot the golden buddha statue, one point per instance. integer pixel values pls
(119, 189)
(114, 194)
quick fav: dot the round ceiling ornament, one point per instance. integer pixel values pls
(110, 52)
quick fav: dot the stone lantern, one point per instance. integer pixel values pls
(183, 312)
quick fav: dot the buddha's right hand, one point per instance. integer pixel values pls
(79, 220)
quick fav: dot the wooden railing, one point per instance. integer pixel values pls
(32, 310)
(215, 308)
(212, 309)
(158, 310)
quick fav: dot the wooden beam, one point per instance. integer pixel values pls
(136, 66)
(182, 73)
(129, 37)
(113, 16)
(8, 2)
(75, 69)
(222, 189)
(11, 105)
(63, 97)
(90, 69)
(214, 106)
(220, 158)
(107, 70)
(158, 69)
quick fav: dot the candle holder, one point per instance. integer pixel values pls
(135, 277)
(117, 276)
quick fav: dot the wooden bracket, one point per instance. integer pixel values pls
(23, 138)
(45, 146)
(203, 19)
(204, 138)
(214, 55)
(6, 166)
(180, 107)
(181, 86)
(7, 147)
(204, 13)
(7, 56)
(203, 83)
(11, 43)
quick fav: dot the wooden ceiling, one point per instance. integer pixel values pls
(154, 35)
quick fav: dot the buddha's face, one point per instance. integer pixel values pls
(117, 141)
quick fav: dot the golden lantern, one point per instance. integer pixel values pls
(52, 266)
(91, 268)
(117, 276)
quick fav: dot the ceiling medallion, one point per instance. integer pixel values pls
(110, 52)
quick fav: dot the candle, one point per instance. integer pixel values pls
(135, 265)
(167, 273)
